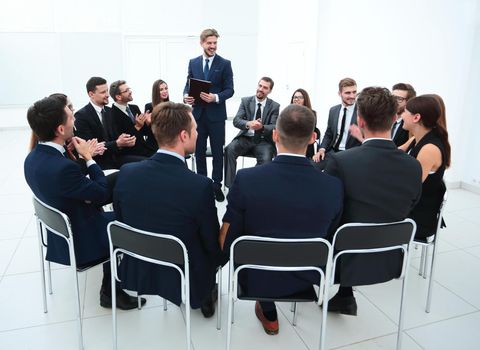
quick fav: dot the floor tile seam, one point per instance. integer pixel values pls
(458, 296)
(11, 258)
(379, 337)
(443, 320)
(295, 329)
(378, 308)
(37, 326)
(32, 272)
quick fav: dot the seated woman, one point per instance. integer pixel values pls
(159, 95)
(424, 119)
(300, 97)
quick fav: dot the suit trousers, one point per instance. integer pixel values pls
(216, 132)
(244, 145)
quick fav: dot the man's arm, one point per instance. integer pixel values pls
(241, 118)
(227, 83)
(208, 221)
(268, 128)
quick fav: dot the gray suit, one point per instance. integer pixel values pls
(261, 145)
(330, 136)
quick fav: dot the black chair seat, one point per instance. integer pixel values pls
(307, 295)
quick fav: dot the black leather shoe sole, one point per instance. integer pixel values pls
(124, 301)
(343, 305)
(218, 193)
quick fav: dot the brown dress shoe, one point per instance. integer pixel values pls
(270, 327)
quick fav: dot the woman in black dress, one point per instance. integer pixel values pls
(430, 146)
(300, 97)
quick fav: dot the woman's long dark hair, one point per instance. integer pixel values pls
(431, 118)
(156, 92)
(306, 98)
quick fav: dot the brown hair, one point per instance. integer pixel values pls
(45, 116)
(442, 120)
(345, 82)
(156, 92)
(295, 126)
(115, 88)
(208, 32)
(93, 82)
(411, 93)
(377, 106)
(268, 80)
(430, 111)
(306, 98)
(168, 121)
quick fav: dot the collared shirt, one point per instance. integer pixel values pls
(98, 110)
(123, 108)
(251, 132)
(375, 138)
(173, 154)
(292, 155)
(348, 120)
(210, 61)
(61, 149)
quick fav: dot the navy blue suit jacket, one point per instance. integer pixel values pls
(176, 202)
(287, 198)
(221, 76)
(60, 183)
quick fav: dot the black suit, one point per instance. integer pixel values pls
(88, 126)
(401, 135)
(123, 124)
(382, 184)
(178, 202)
(332, 131)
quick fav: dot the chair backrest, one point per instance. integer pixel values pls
(53, 219)
(280, 252)
(160, 247)
(360, 236)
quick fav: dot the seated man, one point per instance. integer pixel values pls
(127, 119)
(256, 119)
(382, 184)
(60, 183)
(287, 198)
(176, 201)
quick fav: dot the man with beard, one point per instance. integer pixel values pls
(177, 202)
(127, 119)
(402, 92)
(256, 118)
(210, 112)
(342, 120)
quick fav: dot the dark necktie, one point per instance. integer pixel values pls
(130, 114)
(102, 113)
(257, 137)
(394, 129)
(342, 130)
(206, 69)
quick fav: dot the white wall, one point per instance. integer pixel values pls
(57, 45)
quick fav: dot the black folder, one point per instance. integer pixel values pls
(196, 87)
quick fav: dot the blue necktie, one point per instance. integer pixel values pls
(130, 114)
(206, 69)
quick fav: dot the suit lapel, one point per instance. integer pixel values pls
(266, 111)
(251, 107)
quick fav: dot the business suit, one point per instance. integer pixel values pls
(382, 184)
(59, 182)
(88, 126)
(210, 117)
(261, 145)
(401, 135)
(177, 202)
(121, 123)
(286, 198)
(332, 131)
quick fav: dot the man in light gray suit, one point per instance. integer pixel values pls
(256, 119)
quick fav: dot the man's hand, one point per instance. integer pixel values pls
(356, 132)
(320, 155)
(140, 120)
(255, 124)
(223, 234)
(207, 97)
(84, 148)
(100, 149)
(148, 117)
(125, 140)
(188, 100)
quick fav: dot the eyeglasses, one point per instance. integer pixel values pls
(400, 98)
(124, 91)
(298, 97)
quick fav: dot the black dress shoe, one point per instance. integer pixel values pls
(343, 305)
(208, 308)
(218, 193)
(124, 301)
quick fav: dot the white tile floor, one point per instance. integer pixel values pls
(454, 321)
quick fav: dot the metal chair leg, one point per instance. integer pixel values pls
(401, 314)
(219, 299)
(292, 307)
(294, 322)
(164, 304)
(50, 291)
(430, 282)
(139, 302)
(42, 276)
(114, 303)
(422, 257)
(229, 319)
(425, 262)
(79, 310)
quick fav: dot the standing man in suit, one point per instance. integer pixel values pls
(93, 121)
(341, 119)
(381, 185)
(60, 183)
(402, 92)
(286, 198)
(210, 113)
(127, 119)
(256, 118)
(177, 202)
